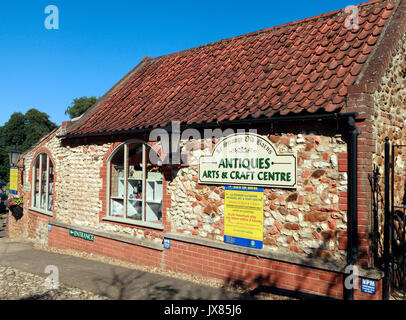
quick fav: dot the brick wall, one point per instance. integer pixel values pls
(60, 238)
(249, 271)
(233, 268)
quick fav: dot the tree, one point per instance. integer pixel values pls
(23, 130)
(79, 106)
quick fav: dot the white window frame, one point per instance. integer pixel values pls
(33, 182)
(145, 147)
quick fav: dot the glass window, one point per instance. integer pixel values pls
(135, 184)
(43, 184)
(117, 183)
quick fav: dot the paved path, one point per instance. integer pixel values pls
(113, 281)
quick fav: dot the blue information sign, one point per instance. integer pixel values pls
(244, 188)
(368, 286)
(243, 242)
(167, 243)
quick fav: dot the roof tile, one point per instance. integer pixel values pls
(305, 66)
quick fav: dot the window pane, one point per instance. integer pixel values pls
(117, 184)
(43, 180)
(135, 182)
(36, 184)
(51, 187)
(154, 184)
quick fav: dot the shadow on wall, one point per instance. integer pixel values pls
(324, 288)
(272, 282)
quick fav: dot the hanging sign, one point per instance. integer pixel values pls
(244, 216)
(13, 180)
(247, 159)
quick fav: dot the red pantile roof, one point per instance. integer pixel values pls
(304, 66)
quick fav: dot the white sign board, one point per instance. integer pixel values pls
(248, 159)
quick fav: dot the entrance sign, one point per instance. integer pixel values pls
(247, 159)
(244, 216)
(13, 180)
(81, 234)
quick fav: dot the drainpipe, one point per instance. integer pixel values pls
(352, 222)
(387, 230)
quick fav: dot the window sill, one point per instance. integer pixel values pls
(41, 211)
(152, 225)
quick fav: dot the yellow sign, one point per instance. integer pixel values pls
(13, 180)
(244, 216)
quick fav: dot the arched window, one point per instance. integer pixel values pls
(135, 184)
(43, 184)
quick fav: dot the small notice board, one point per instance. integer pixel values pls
(368, 286)
(244, 216)
(13, 180)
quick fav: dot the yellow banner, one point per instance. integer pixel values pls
(244, 215)
(13, 179)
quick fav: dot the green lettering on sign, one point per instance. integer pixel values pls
(81, 234)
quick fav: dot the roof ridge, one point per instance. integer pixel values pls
(262, 31)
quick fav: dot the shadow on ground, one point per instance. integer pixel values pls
(140, 285)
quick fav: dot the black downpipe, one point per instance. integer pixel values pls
(352, 223)
(386, 244)
(391, 214)
(374, 187)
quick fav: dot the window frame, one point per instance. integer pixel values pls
(108, 217)
(39, 158)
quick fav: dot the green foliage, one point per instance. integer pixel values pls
(24, 130)
(79, 106)
(6, 189)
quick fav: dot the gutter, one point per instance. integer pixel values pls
(168, 128)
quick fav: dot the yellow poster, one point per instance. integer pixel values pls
(244, 216)
(13, 180)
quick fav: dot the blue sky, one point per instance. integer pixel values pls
(98, 42)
